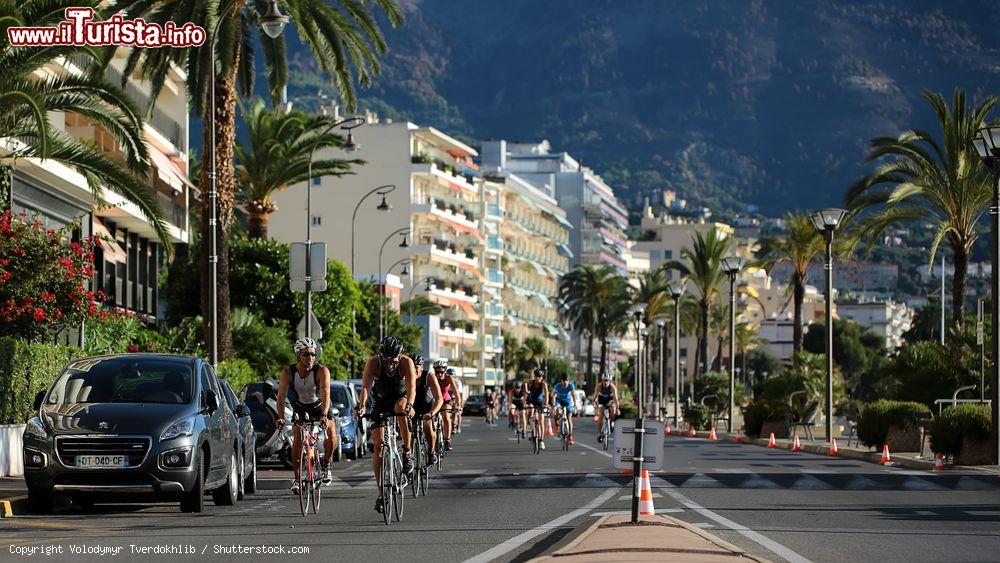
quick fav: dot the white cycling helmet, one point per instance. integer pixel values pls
(303, 343)
(442, 363)
(605, 376)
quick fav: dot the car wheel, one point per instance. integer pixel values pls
(239, 478)
(40, 501)
(194, 500)
(226, 494)
(250, 483)
(286, 456)
(358, 451)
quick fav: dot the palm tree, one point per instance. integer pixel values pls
(29, 95)
(276, 155)
(511, 353)
(594, 299)
(343, 36)
(799, 246)
(702, 266)
(533, 353)
(420, 306)
(943, 183)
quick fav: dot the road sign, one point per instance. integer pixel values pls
(317, 330)
(652, 444)
(299, 278)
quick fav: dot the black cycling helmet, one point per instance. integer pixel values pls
(391, 347)
(418, 360)
(539, 372)
(565, 376)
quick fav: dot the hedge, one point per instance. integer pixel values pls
(756, 414)
(238, 373)
(25, 369)
(949, 430)
(698, 416)
(876, 418)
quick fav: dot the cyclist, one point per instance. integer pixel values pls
(490, 404)
(391, 379)
(564, 399)
(517, 399)
(459, 397)
(309, 383)
(606, 397)
(447, 385)
(427, 403)
(538, 397)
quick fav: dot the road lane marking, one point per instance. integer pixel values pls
(629, 496)
(618, 512)
(520, 539)
(782, 551)
(592, 448)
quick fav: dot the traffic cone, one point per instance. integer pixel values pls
(597, 418)
(939, 463)
(739, 437)
(645, 496)
(886, 458)
(548, 429)
(692, 433)
(711, 435)
(833, 447)
(771, 443)
(796, 446)
(666, 430)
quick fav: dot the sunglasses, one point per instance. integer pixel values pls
(310, 354)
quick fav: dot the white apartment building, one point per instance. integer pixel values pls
(886, 318)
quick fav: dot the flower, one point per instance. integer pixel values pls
(38, 314)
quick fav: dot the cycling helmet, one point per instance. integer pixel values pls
(519, 384)
(442, 363)
(303, 343)
(605, 376)
(539, 372)
(418, 360)
(451, 371)
(391, 347)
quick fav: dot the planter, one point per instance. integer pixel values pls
(903, 440)
(974, 452)
(11, 451)
(779, 427)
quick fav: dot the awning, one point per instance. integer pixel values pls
(470, 311)
(552, 330)
(493, 292)
(544, 300)
(562, 220)
(169, 172)
(565, 251)
(113, 251)
(538, 267)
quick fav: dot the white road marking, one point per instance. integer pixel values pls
(592, 448)
(703, 525)
(617, 512)
(520, 539)
(629, 496)
(780, 550)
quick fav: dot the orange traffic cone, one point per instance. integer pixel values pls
(645, 496)
(711, 435)
(739, 437)
(666, 430)
(771, 443)
(833, 447)
(886, 458)
(597, 418)
(939, 463)
(692, 433)
(796, 446)
(548, 429)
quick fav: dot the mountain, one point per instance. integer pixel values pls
(732, 103)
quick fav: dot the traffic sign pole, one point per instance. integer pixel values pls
(637, 467)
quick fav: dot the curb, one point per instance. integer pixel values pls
(9, 507)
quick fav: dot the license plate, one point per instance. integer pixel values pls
(101, 461)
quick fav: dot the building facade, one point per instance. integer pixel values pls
(886, 318)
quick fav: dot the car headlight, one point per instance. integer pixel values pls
(35, 429)
(183, 427)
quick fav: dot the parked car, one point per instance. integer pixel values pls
(141, 425)
(351, 436)
(475, 405)
(247, 441)
(366, 424)
(261, 397)
(582, 399)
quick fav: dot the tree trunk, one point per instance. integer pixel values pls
(590, 363)
(958, 284)
(799, 295)
(225, 127)
(6, 186)
(604, 356)
(702, 363)
(257, 228)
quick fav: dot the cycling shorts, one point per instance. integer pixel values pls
(310, 411)
(566, 403)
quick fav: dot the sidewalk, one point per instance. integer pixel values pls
(654, 538)
(13, 496)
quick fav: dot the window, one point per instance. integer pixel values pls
(317, 182)
(656, 254)
(670, 255)
(684, 352)
(206, 385)
(317, 220)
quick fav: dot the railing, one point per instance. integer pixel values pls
(159, 120)
(495, 243)
(175, 213)
(493, 210)
(494, 276)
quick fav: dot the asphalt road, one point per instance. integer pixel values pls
(497, 500)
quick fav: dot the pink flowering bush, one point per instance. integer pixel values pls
(42, 278)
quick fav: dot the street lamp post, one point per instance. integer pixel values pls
(405, 262)
(638, 309)
(273, 23)
(403, 231)
(383, 191)
(987, 145)
(732, 266)
(826, 222)
(661, 409)
(676, 290)
(430, 286)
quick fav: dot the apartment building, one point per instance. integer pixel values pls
(886, 318)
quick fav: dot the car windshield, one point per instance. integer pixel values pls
(338, 394)
(124, 380)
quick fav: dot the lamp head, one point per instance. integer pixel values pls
(987, 142)
(661, 322)
(638, 309)
(677, 289)
(404, 244)
(350, 145)
(828, 219)
(384, 206)
(733, 264)
(273, 22)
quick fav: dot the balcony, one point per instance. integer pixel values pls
(494, 243)
(493, 210)
(494, 277)
(444, 172)
(493, 310)
(173, 212)
(448, 253)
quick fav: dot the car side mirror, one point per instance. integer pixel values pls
(212, 401)
(339, 406)
(243, 411)
(38, 399)
(335, 410)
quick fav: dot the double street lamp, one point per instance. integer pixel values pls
(384, 206)
(732, 266)
(661, 409)
(381, 294)
(987, 145)
(826, 222)
(273, 23)
(638, 310)
(676, 290)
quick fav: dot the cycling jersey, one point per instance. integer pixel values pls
(424, 400)
(564, 395)
(518, 398)
(605, 395)
(386, 390)
(306, 399)
(445, 388)
(536, 395)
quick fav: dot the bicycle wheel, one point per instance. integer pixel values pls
(386, 488)
(605, 431)
(418, 448)
(305, 488)
(317, 481)
(399, 490)
(423, 481)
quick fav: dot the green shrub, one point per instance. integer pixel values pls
(949, 430)
(627, 410)
(698, 416)
(267, 349)
(120, 333)
(238, 373)
(756, 414)
(876, 418)
(715, 384)
(25, 369)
